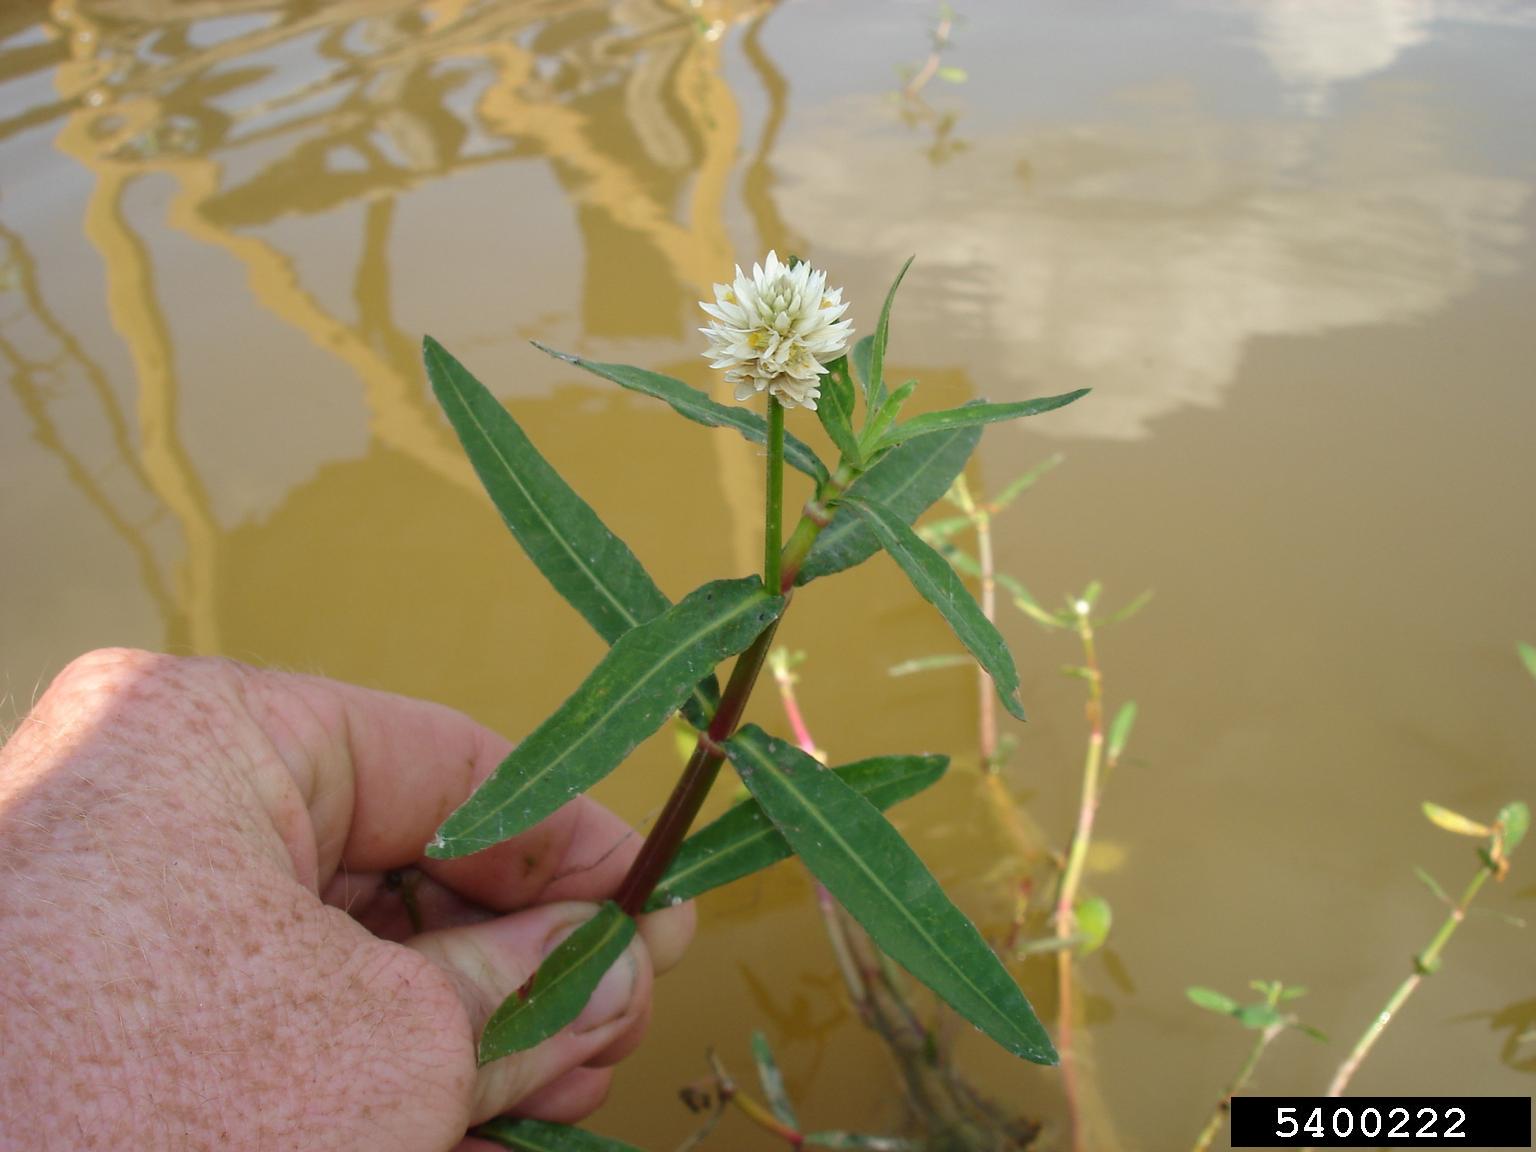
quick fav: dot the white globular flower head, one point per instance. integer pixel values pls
(775, 330)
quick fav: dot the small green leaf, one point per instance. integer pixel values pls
(1093, 918)
(931, 664)
(744, 840)
(1429, 882)
(952, 74)
(936, 532)
(1528, 657)
(1212, 1001)
(861, 356)
(1257, 1016)
(907, 481)
(539, 1136)
(1454, 821)
(834, 409)
(560, 988)
(866, 864)
(1515, 819)
(874, 382)
(887, 414)
(1307, 1030)
(1120, 730)
(688, 401)
(634, 688)
(939, 584)
(1025, 482)
(974, 415)
(1292, 993)
(1129, 610)
(772, 1080)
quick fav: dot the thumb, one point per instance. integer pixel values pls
(490, 961)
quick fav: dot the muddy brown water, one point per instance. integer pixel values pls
(1287, 244)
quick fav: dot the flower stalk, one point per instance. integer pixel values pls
(773, 520)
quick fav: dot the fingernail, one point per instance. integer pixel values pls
(611, 998)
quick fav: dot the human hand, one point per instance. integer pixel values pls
(202, 945)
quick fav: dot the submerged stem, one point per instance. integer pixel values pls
(1072, 875)
(1424, 964)
(1223, 1107)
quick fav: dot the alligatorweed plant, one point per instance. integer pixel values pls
(775, 333)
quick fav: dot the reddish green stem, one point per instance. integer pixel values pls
(703, 765)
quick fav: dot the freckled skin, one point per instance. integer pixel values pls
(200, 948)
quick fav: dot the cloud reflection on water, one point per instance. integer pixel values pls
(1140, 257)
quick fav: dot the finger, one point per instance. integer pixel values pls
(667, 934)
(379, 773)
(490, 961)
(624, 1044)
(569, 1099)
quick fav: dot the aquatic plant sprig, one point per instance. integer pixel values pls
(1268, 1018)
(779, 333)
(1497, 841)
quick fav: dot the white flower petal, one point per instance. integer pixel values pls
(774, 330)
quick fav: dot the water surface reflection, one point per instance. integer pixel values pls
(1286, 243)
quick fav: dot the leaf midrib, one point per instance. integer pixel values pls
(570, 551)
(594, 728)
(615, 925)
(761, 834)
(832, 831)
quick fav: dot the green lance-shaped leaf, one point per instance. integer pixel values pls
(835, 409)
(942, 587)
(906, 480)
(1120, 730)
(874, 370)
(772, 1080)
(865, 863)
(861, 357)
(585, 562)
(634, 688)
(540, 1136)
(974, 415)
(744, 840)
(1021, 484)
(929, 664)
(1515, 820)
(560, 988)
(1528, 657)
(1212, 1001)
(588, 565)
(1093, 918)
(887, 414)
(688, 401)
(1454, 821)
